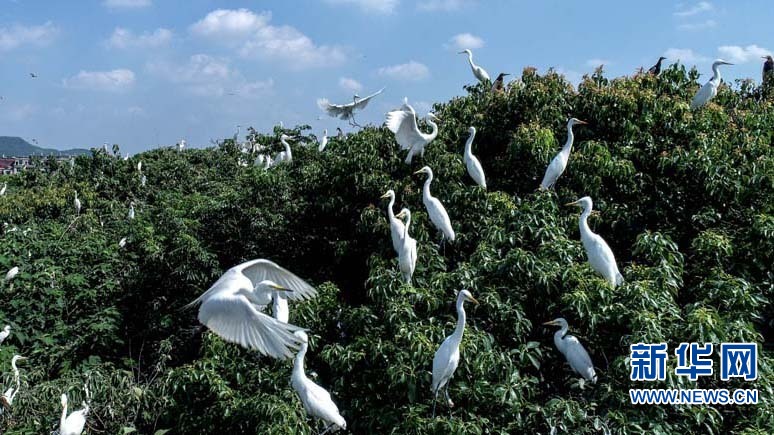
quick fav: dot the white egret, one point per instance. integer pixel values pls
(72, 162)
(279, 306)
(435, 209)
(599, 253)
(471, 162)
(347, 111)
(479, 72)
(130, 215)
(143, 180)
(407, 256)
(447, 357)
(396, 226)
(316, 400)
(122, 242)
(5, 333)
(284, 156)
(710, 89)
(230, 308)
(12, 272)
(74, 423)
(77, 204)
(499, 84)
(139, 166)
(11, 392)
(403, 123)
(181, 145)
(323, 141)
(559, 162)
(573, 350)
(656, 69)
(4, 188)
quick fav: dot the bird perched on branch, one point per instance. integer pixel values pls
(656, 69)
(403, 123)
(559, 162)
(499, 84)
(710, 89)
(478, 72)
(573, 350)
(347, 111)
(768, 67)
(599, 253)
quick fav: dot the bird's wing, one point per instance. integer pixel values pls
(363, 102)
(577, 356)
(553, 171)
(235, 319)
(403, 123)
(261, 269)
(445, 362)
(335, 110)
(704, 95)
(605, 257)
(321, 398)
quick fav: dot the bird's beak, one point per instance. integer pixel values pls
(551, 323)
(419, 172)
(572, 203)
(279, 288)
(386, 195)
(582, 122)
(473, 300)
(461, 52)
(506, 74)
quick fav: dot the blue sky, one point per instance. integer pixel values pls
(143, 73)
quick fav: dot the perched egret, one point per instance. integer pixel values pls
(656, 69)
(600, 256)
(284, 156)
(316, 400)
(407, 256)
(323, 141)
(143, 180)
(559, 162)
(447, 357)
(710, 89)
(347, 111)
(435, 209)
(396, 226)
(573, 350)
(11, 392)
(12, 272)
(479, 72)
(181, 145)
(74, 423)
(5, 333)
(471, 162)
(130, 215)
(139, 166)
(77, 204)
(499, 84)
(122, 242)
(229, 307)
(4, 188)
(403, 123)
(768, 67)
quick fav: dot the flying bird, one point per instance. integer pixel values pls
(573, 350)
(559, 162)
(347, 111)
(475, 170)
(230, 307)
(599, 253)
(479, 72)
(316, 399)
(710, 89)
(656, 69)
(499, 84)
(768, 67)
(407, 257)
(435, 209)
(447, 357)
(33, 75)
(396, 225)
(403, 123)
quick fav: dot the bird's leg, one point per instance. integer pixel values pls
(435, 399)
(327, 429)
(448, 399)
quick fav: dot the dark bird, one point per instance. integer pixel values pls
(499, 83)
(768, 67)
(656, 69)
(33, 75)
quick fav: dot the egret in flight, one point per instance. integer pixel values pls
(231, 307)
(435, 209)
(479, 72)
(347, 111)
(323, 141)
(77, 204)
(559, 162)
(471, 162)
(11, 392)
(573, 351)
(656, 69)
(74, 423)
(316, 400)
(407, 257)
(447, 357)
(710, 89)
(396, 225)
(600, 255)
(403, 123)
(768, 67)
(5, 333)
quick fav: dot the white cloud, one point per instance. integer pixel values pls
(707, 24)
(126, 4)
(684, 55)
(443, 5)
(18, 35)
(115, 80)
(349, 84)
(411, 71)
(253, 36)
(593, 63)
(695, 9)
(207, 76)
(738, 54)
(370, 6)
(124, 38)
(462, 41)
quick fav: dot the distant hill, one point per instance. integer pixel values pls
(12, 146)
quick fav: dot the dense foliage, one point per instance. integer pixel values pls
(686, 205)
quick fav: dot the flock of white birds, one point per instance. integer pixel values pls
(235, 306)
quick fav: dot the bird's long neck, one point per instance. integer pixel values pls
(390, 213)
(406, 229)
(426, 187)
(433, 132)
(470, 60)
(584, 224)
(469, 145)
(715, 73)
(279, 305)
(298, 363)
(64, 415)
(570, 139)
(460, 328)
(561, 333)
(287, 147)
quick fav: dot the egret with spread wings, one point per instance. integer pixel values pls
(346, 112)
(403, 123)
